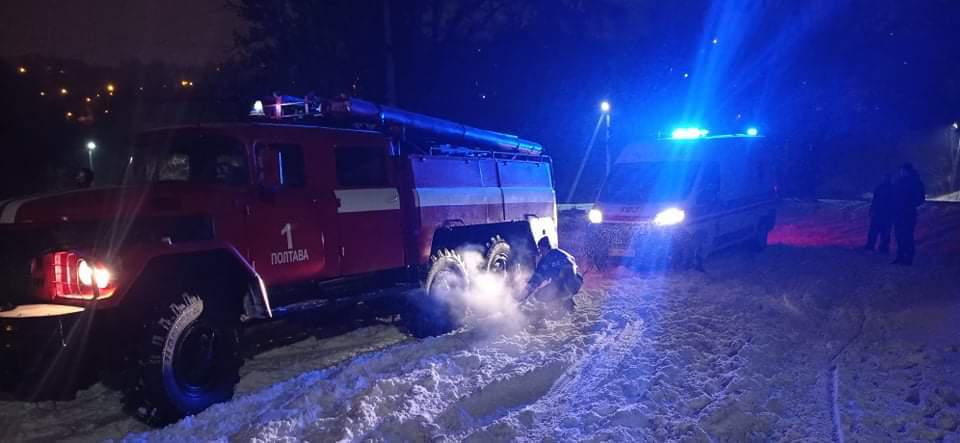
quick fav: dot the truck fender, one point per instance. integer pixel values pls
(220, 262)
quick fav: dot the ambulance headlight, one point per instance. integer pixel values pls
(669, 217)
(595, 216)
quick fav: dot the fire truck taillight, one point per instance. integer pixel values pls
(66, 275)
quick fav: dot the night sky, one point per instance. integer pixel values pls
(111, 32)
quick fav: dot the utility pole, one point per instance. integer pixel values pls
(604, 117)
(390, 71)
(606, 147)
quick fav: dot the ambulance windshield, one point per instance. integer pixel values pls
(641, 182)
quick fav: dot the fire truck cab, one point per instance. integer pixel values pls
(314, 202)
(680, 198)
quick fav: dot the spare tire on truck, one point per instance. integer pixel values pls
(438, 308)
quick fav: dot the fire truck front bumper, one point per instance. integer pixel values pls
(37, 342)
(636, 240)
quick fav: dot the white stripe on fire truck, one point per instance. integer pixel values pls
(366, 200)
(430, 197)
(8, 213)
(518, 194)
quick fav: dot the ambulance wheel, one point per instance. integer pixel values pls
(499, 256)
(191, 358)
(602, 262)
(761, 238)
(690, 254)
(439, 308)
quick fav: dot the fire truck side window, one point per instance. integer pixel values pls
(189, 156)
(290, 169)
(361, 167)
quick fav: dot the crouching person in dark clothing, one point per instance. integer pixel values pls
(908, 194)
(881, 216)
(556, 279)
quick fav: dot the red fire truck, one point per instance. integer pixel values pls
(218, 226)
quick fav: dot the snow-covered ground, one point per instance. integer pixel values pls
(812, 340)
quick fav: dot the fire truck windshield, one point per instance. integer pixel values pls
(641, 182)
(189, 156)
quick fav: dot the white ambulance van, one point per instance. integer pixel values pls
(678, 199)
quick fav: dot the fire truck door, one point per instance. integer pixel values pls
(371, 227)
(291, 222)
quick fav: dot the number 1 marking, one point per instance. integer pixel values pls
(288, 231)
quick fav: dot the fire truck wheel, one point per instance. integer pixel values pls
(191, 358)
(440, 308)
(498, 258)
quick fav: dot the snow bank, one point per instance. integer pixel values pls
(811, 340)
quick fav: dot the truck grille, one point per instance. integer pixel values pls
(18, 248)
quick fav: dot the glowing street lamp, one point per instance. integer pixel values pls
(22, 70)
(64, 91)
(91, 146)
(604, 106)
(111, 87)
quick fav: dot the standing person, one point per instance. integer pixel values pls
(908, 193)
(881, 215)
(84, 178)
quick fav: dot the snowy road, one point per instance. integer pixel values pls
(811, 340)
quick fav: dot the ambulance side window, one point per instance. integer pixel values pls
(361, 167)
(289, 167)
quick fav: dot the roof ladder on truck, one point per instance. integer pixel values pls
(385, 118)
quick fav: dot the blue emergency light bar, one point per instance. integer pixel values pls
(688, 133)
(700, 133)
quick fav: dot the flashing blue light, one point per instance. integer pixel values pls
(689, 133)
(752, 132)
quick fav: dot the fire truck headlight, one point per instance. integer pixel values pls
(669, 217)
(595, 216)
(88, 275)
(84, 273)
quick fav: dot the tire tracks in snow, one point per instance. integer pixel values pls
(834, 385)
(598, 363)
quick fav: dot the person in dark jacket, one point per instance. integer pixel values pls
(556, 278)
(881, 216)
(84, 178)
(908, 194)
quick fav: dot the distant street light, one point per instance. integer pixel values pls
(64, 91)
(956, 125)
(91, 146)
(22, 70)
(604, 106)
(110, 87)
